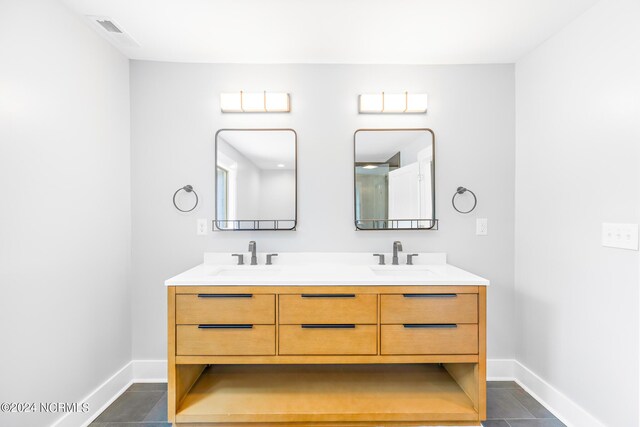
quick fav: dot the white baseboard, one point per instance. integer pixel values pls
(99, 399)
(567, 411)
(150, 371)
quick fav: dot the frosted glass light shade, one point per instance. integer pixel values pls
(416, 103)
(278, 103)
(370, 103)
(255, 102)
(231, 102)
(393, 103)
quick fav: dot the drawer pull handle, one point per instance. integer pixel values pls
(430, 325)
(347, 326)
(225, 295)
(328, 295)
(225, 326)
(429, 295)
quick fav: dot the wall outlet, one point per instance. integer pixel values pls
(623, 236)
(482, 226)
(203, 230)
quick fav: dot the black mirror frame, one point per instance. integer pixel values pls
(434, 221)
(256, 222)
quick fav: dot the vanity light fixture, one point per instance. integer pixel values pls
(406, 102)
(370, 167)
(255, 102)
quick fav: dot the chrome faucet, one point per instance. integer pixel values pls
(252, 249)
(397, 246)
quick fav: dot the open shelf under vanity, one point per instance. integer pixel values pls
(325, 393)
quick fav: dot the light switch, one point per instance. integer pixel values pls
(482, 226)
(623, 236)
(202, 227)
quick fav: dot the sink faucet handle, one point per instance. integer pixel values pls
(240, 258)
(410, 258)
(380, 258)
(252, 249)
(269, 256)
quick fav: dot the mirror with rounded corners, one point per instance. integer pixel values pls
(256, 179)
(394, 179)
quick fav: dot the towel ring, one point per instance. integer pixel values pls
(462, 190)
(188, 189)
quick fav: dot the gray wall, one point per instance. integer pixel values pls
(65, 224)
(578, 162)
(175, 113)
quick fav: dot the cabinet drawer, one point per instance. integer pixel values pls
(429, 339)
(225, 309)
(328, 309)
(429, 308)
(328, 339)
(226, 340)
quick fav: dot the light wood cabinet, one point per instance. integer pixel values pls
(429, 339)
(327, 355)
(225, 340)
(225, 308)
(328, 308)
(429, 308)
(328, 339)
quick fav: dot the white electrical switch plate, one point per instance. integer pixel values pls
(482, 226)
(623, 236)
(202, 227)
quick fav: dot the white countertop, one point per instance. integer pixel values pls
(318, 269)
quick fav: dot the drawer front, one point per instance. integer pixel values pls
(429, 339)
(328, 309)
(226, 340)
(225, 309)
(321, 339)
(429, 308)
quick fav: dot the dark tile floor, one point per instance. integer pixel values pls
(142, 405)
(508, 405)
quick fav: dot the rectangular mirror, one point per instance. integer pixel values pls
(394, 179)
(256, 179)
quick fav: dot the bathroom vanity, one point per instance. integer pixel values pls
(326, 339)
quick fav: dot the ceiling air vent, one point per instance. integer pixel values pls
(109, 26)
(112, 31)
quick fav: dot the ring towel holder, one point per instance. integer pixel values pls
(462, 190)
(187, 189)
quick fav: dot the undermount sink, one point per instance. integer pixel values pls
(401, 271)
(245, 271)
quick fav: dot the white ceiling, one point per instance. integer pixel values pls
(335, 31)
(265, 149)
(380, 146)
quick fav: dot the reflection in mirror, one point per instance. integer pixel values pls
(256, 179)
(394, 179)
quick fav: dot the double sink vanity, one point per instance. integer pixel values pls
(325, 339)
